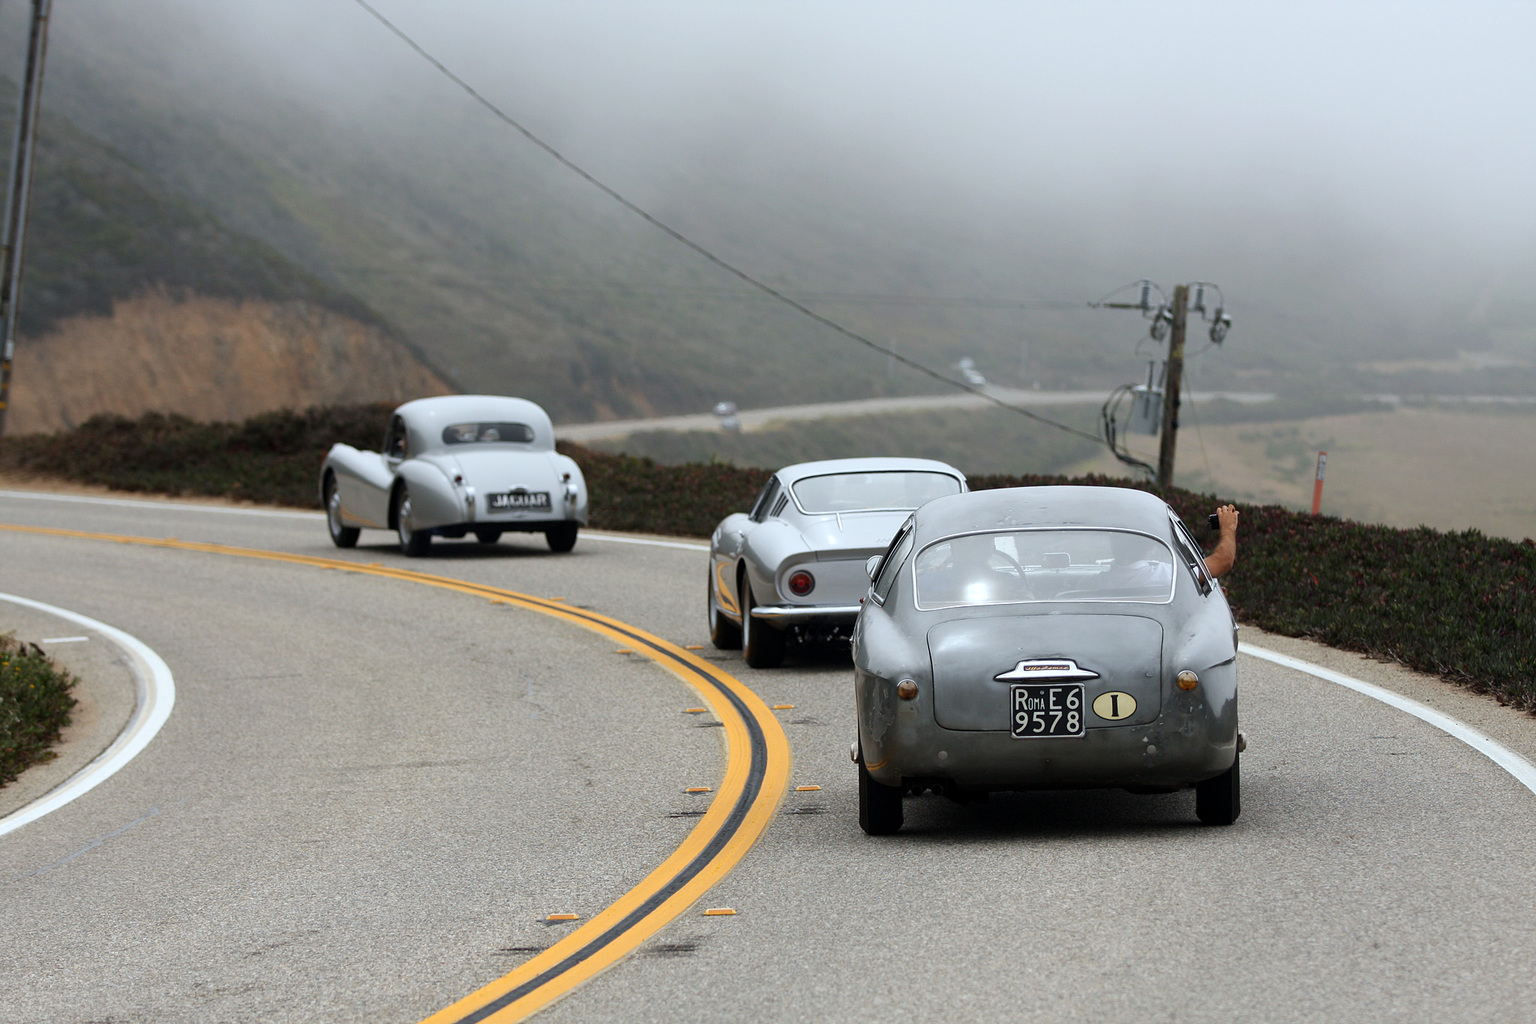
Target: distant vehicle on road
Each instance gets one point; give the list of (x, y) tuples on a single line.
[(454, 466), (1044, 638), (793, 567), (969, 373)]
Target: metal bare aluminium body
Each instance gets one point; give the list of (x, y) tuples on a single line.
[(796, 561), (1045, 638), (454, 466)]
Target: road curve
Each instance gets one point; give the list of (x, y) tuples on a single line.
[(368, 802)]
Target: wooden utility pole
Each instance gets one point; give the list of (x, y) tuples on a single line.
[(1172, 379), (17, 195)]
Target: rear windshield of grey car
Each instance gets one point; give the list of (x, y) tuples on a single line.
[(1009, 567), (863, 492), (487, 433)]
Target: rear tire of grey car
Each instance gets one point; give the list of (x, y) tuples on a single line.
[(341, 535), (562, 537), (761, 644), (723, 633), (413, 542), (486, 536), (879, 805), (1219, 801)]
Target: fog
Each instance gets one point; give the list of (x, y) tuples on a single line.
[(1331, 165), (1411, 118)]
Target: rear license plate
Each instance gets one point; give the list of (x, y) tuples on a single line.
[(1047, 710), (519, 501)]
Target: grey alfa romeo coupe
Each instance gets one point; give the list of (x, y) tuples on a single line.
[(1038, 638)]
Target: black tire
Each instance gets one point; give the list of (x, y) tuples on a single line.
[(879, 805), (1219, 801), (723, 633), (487, 535), (761, 644), (342, 536), (561, 537), (413, 542)]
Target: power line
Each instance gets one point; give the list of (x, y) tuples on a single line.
[(684, 240)]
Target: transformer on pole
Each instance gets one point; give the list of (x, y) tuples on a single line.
[(1155, 408)]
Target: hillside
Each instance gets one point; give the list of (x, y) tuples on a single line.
[(137, 300), (207, 358), (360, 166)]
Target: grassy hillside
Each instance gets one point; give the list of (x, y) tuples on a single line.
[(510, 273), (989, 441), (101, 229)]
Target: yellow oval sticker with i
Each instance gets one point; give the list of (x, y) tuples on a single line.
[(1114, 705)]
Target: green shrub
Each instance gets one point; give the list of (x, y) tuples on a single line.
[(34, 706)]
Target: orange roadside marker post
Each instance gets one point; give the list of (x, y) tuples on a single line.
[(1317, 486)]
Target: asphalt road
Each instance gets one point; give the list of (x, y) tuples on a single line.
[(757, 419), (371, 793)]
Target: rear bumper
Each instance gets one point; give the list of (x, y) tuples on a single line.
[(787, 613)]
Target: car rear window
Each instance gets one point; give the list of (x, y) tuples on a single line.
[(864, 492), (1016, 566), (487, 433)]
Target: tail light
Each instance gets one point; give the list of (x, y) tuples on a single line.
[(801, 583)]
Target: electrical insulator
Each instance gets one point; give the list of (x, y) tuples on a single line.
[(1199, 304), (1146, 294)]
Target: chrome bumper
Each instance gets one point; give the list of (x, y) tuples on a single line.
[(806, 611)]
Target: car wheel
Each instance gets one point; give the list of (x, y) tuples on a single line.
[(761, 644), (723, 633), (1218, 801), (342, 536), (562, 537), (879, 805), (487, 536), (413, 542)]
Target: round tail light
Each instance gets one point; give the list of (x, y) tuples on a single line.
[(801, 583)]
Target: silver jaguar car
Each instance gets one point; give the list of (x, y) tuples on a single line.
[(793, 567), (453, 466), (1044, 638)]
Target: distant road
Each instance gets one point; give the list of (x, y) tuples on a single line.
[(757, 419)]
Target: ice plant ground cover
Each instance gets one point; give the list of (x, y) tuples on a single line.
[(34, 706)]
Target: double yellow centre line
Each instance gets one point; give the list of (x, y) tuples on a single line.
[(756, 774)]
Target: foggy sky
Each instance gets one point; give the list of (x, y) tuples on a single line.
[(1411, 118)]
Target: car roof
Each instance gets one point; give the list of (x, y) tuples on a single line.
[(428, 416), (1008, 508), (801, 470)]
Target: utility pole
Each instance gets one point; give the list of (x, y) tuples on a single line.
[(1171, 383), (1170, 319), (17, 196)]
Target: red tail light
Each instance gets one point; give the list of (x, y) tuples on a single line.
[(801, 583)]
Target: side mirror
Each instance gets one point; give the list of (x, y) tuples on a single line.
[(873, 565)]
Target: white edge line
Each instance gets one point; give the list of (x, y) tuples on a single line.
[(288, 514), (1523, 771), (174, 505), (155, 693), (642, 540)]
